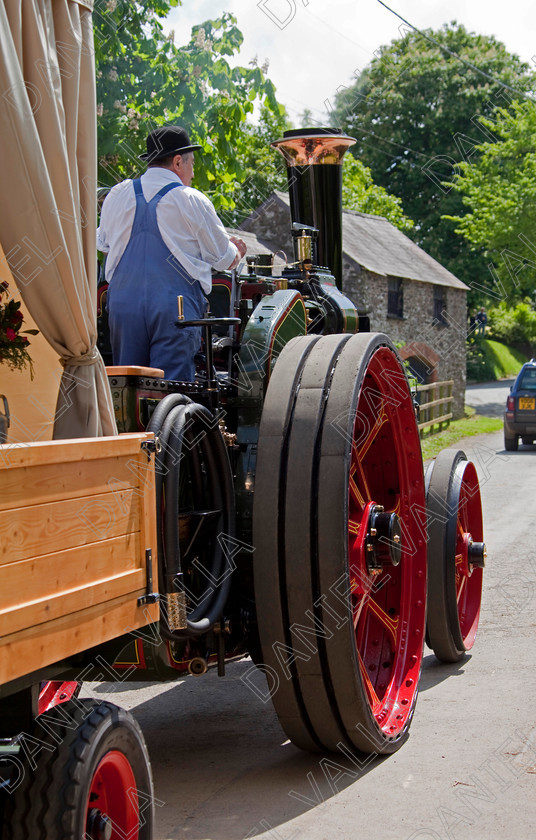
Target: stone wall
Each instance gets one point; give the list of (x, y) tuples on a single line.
[(442, 347)]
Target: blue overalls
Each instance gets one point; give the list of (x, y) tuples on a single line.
[(142, 299)]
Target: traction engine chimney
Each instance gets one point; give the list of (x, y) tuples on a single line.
[(314, 169)]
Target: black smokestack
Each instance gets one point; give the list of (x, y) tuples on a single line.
[(314, 168)]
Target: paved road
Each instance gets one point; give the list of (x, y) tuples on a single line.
[(489, 398), (224, 771)]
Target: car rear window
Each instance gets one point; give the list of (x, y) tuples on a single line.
[(528, 380)]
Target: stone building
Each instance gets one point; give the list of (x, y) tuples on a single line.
[(405, 292)]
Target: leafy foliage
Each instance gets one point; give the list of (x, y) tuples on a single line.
[(415, 113), (144, 80), (263, 167), (359, 192), (513, 325), (479, 364), (499, 190)]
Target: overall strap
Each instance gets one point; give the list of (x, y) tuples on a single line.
[(164, 191)]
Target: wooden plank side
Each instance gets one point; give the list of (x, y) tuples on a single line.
[(67, 602), (35, 582), (42, 529), (67, 451), (31, 485), (34, 648)]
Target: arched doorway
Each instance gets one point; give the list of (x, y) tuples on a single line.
[(422, 360)]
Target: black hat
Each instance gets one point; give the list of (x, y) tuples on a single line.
[(165, 141)]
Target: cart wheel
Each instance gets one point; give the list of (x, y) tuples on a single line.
[(339, 533), (456, 554), (90, 778)]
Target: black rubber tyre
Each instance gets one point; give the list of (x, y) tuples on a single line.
[(454, 595), (511, 443), (64, 757), (317, 625)]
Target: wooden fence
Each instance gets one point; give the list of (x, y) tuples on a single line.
[(438, 410)]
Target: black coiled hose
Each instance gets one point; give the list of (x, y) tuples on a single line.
[(187, 430)]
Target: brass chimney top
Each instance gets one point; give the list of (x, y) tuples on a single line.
[(312, 146)]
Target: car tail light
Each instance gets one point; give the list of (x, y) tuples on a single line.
[(510, 404)]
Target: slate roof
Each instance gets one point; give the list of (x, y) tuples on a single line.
[(254, 245), (378, 246)]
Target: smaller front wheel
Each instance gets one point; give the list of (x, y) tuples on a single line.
[(89, 778), (456, 555)]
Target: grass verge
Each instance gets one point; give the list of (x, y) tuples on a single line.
[(471, 424), (488, 360)]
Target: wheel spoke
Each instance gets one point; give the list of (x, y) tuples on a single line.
[(370, 438), (354, 489), (390, 624), (374, 700)]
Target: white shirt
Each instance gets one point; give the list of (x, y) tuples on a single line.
[(186, 219)]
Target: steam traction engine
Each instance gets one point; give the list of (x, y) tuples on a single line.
[(291, 515)]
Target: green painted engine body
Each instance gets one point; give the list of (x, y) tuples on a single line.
[(272, 311)]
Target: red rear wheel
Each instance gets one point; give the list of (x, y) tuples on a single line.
[(340, 580), (387, 567)]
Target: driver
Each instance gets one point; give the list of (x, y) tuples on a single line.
[(161, 237)]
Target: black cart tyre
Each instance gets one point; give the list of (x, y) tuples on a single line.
[(340, 545), (89, 777), (456, 555), (511, 443)]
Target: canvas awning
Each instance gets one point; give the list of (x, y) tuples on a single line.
[(48, 193)]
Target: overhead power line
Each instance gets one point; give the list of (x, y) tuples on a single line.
[(458, 57)]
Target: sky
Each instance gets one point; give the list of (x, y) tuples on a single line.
[(316, 46)]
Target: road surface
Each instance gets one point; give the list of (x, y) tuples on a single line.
[(489, 398), (223, 769)]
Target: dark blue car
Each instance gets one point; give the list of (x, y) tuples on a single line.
[(520, 414)]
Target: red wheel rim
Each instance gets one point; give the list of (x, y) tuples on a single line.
[(113, 795), (469, 528), (388, 605)]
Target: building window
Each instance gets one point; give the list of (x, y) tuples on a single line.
[(395, 297), (440, 305)]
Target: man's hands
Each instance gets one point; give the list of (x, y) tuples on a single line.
[(242, 248)]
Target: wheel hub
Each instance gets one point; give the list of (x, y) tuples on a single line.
[(383, 542), (473, 555), (477, 554), (99, 825)]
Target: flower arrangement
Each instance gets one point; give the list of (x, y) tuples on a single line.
[(13, 343)]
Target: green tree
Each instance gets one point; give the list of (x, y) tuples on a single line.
[(263, 167), (359, 192), (498, 192), (415, 113), (144, 80)]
